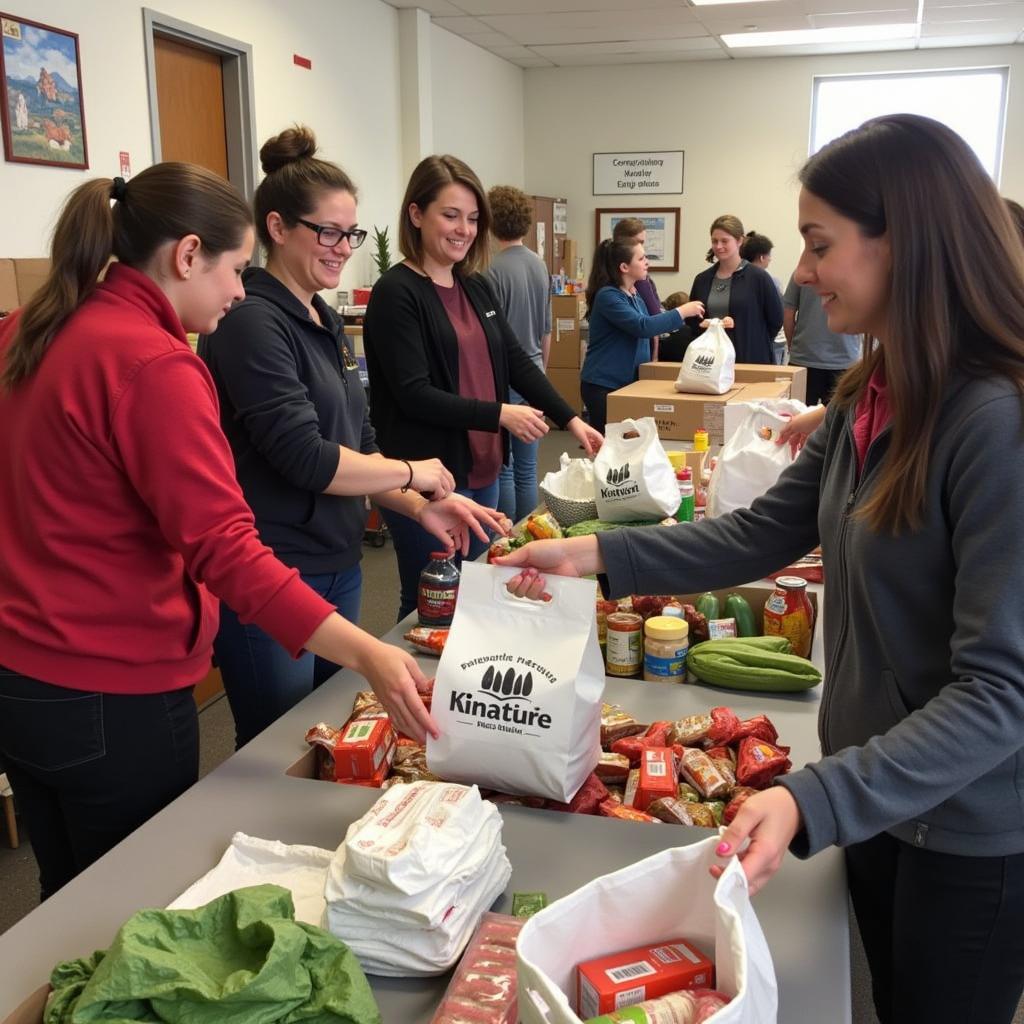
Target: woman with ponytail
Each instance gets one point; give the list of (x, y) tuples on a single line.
[(295, 412), (121, 518), (620, 326)]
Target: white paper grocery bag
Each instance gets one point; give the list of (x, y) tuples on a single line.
[(670, 895), (633, 478), (518, 690)]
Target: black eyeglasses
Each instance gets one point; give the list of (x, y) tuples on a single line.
[(332, 236)]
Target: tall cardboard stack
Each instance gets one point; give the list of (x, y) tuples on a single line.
[(567, 311)]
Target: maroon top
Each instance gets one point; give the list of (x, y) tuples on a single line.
[(476, 380)]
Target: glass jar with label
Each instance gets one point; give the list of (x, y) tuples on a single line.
[(666, 641), (624, 653), (789, 613), (439, 587)]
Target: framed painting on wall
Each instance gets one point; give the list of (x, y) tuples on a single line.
[(41, 88), (661, 226)]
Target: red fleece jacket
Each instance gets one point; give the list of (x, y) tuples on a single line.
[(119, 507)]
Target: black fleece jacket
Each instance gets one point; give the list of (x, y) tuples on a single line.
[(412, 356), (290, 396)]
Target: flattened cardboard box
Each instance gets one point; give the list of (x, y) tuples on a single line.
[(677, 416), (746, 373)]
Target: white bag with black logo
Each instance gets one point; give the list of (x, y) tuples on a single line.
[(518, 690), (633, 478), (709, 363)]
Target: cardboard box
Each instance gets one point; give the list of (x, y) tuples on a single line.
[(676, 415), (624, 979), (20, 279), (8, 286), (365, 746), (746, 373), (566, 313), (567, 383), (570, 253), (31, 1010)]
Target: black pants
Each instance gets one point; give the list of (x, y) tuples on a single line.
[(944, 935), (820, 383), (595, 398), (87, 769)]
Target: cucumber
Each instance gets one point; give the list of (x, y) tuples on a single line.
[(709, 606), (736, 607), (739, 665)]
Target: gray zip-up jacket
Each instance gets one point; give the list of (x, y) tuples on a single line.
[(922, 714)]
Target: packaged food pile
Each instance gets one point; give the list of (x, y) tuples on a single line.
[(408, 884), (483, 987)]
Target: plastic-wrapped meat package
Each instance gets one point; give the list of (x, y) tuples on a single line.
[(483, 987)]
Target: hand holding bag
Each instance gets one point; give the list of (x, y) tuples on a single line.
[(709, 363), (667, 896), (633, 478)]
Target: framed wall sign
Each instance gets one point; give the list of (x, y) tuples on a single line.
[(661, 225), (41, 89), (639, 174)]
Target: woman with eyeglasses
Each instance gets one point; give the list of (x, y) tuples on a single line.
[(295, 413)]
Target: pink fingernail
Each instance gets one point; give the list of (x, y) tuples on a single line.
[(722, 849)]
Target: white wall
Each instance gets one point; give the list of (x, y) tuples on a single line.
[(744, 126), (478, 109)]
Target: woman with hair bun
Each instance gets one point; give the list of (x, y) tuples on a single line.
[(295, 413), (735, 287), (122, 518)]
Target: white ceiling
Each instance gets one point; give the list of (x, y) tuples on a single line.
[(561, 33)]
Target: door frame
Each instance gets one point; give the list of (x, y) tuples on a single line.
[(239, 92)]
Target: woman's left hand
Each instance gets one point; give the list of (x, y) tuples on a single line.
[(587, 436), (450, 519), (770, 820)]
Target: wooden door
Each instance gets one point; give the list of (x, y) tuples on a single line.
[(190, 95), (543, 216)]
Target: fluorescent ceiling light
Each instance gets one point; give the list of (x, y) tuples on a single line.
[(842, 34)]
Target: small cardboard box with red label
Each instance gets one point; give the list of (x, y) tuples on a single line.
[(657, 777), (625, 979), (365, 745)]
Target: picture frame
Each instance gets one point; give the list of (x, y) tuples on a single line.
[(41, 106), (662, 226)]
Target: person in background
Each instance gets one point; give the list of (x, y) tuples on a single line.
[(441, 356), (825, 354), (734, 287), (633, 229), (122, 518), (672, 346), (757, 250), (620, 326), (914, 486), (295, 413), (522, 287)]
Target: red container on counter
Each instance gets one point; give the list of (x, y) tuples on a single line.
[(789, 613)]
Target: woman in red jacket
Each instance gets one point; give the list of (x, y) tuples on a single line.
[(119, 508)]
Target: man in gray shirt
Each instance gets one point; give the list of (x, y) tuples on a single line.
[(812, 345), (521, 284)]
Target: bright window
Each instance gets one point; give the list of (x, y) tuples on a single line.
[(972, 102)]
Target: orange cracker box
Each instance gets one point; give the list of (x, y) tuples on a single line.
[(657, 777), (365, 745), (623, 979)]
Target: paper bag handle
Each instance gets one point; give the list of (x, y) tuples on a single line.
[(524, 604)]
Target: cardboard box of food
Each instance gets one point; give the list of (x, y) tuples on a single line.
[(746, 373), (566, 313), (676, 415), (567, 383)]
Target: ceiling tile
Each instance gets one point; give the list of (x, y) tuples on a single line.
[(589, 60), (435, 8), (651, 46), (494, 7)]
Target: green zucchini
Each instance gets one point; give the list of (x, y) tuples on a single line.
[(736, 607), (739, 665), (589, 526), (709, 606), (776, 644)]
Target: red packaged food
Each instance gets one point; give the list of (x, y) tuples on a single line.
[(612, 768), (622, 979), (649, 604), (366, 702), (375, 781), (427, 640), (616, 724), (724, 724), (739, 797), (689, 731), (630, 748), (720, 752), (725, 761), (657, 777), (759, 726), (483, 987), (759, 762), (612, 809), (586, 800), (671, 811), (366, 743), (657, 734), (703, 774)]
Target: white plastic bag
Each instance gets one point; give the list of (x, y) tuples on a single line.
[(574, 479), (751, 461), (633, 476), (665, 896), (518, 690), (709, 363)]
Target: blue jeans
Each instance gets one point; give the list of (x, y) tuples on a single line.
[(413, 545), (261, 679), (517, 482), (89, 768)]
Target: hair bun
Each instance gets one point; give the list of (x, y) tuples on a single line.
[(298, 143)]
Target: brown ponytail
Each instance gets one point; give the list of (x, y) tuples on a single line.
[(604, 268), (165, 202)]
